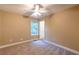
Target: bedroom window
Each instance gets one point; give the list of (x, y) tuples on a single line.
[(34, 28)]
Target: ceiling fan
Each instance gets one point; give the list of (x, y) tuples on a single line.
[(37, 12)]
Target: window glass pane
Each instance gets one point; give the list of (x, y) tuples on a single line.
[(34, 28)]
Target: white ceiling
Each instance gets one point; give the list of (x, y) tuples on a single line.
[(17, 8), (22, 8)]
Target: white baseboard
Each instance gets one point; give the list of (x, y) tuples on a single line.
[(16, 43), (61, 46)]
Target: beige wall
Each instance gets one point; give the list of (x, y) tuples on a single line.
[(0, 26), (63, 28), (14, 28)]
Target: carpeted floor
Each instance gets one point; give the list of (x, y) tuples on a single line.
[(38, 47)]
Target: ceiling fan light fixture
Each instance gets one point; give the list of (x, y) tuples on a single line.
[(36, 15)]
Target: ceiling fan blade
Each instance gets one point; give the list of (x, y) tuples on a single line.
[(43, 10), (28, 12)]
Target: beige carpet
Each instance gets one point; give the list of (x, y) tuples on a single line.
[(38, 47)]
